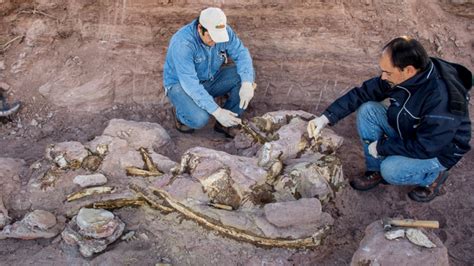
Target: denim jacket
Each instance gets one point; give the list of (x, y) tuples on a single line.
[(190, 62)]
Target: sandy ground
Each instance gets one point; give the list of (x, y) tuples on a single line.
[(306, 54)]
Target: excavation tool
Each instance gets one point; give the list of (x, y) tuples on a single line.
[(388, 223)]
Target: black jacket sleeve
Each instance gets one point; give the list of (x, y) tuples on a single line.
[(371, 90)]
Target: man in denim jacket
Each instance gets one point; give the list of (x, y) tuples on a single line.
[(422, 133), (194, 75)]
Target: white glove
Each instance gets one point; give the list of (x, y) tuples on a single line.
[(316, 125), (373, 149), (246, 94), (226, 117)]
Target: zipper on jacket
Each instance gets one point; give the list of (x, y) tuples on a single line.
[(403, 107)]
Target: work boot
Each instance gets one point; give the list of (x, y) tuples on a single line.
[(370, 180), (426, 194), (229, 132), (182, 127)]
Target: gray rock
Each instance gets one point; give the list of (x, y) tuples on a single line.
[(38, 224), (41, 219), (309, 182), (96, 223), (88, 246), (3, 220), (70, 153), (292, 213), (138, 134), (90, 180)]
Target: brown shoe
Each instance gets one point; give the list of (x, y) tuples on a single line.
[(426, 194), (229, 132), (370, 180), (180, 126)]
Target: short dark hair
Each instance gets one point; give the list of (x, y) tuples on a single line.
[(405, 51)]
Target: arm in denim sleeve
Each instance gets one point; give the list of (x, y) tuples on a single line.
[(182, 55), (371, 90), (241, 56)]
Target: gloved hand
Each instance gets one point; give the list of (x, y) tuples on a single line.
[(316, 125), (373, 149), (246, 94), (226, 117)]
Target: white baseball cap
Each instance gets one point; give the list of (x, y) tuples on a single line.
[(215, 22)]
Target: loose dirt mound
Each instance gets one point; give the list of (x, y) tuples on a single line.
[(79, 64)]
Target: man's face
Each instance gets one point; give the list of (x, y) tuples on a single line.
[(390, 73), (206, 38)]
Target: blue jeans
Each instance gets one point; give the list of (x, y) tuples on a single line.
[(372, 125), (226, 81)]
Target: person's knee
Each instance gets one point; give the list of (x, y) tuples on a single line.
[(390, 171), (369, 109), (198, 120)]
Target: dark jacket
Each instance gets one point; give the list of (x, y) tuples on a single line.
[(429, 111)]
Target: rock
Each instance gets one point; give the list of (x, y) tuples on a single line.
[(34, 123), (285, 188), (203, 164), (67, 154), (163, 163), (46, 4), (375, 249), (5, 86), (40, 219), (394, 234), (96, 223), (289, 144), (90, 180), (220, 190), (3, 220), (417, 237), (138, 134), (283, 117), (73, 234), (293, 213), (10, 169), (309, 182), (37, 224)]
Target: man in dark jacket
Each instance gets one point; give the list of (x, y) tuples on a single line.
[(424, 131)]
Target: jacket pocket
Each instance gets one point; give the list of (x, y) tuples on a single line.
[(199, 59)]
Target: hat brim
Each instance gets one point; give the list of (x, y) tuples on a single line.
[(218, 36)]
